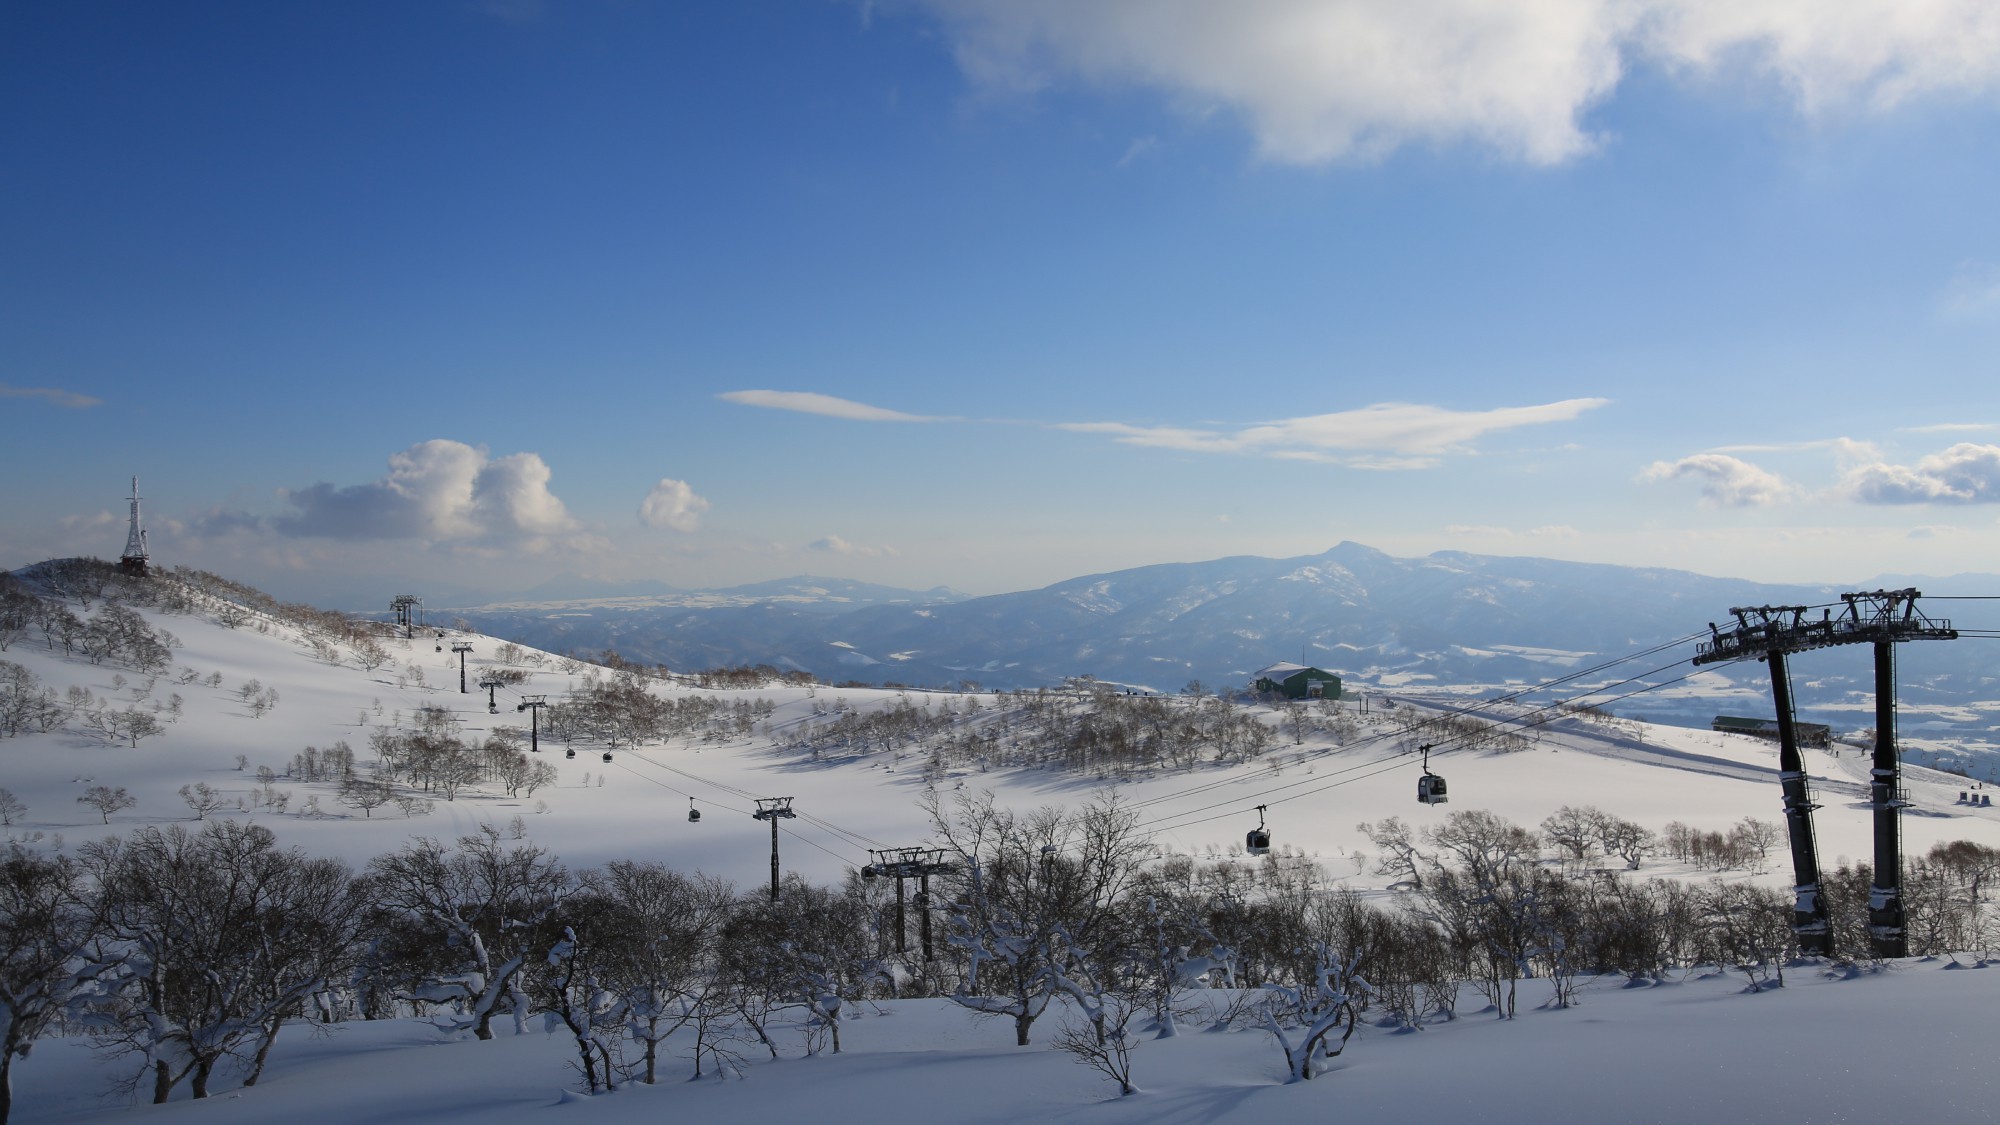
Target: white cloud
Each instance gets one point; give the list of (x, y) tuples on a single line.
[(1388, 435), (1973, 294), (1835, 54), (1324, 80), (807, 402), (672, 504), (1966, 473), (1726, 481), (1320, 80), (51, 395), (440, 491), (835, 545)]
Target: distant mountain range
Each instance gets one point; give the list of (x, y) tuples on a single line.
[(1470, 623)]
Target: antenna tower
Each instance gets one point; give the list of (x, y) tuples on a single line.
[(135, 561)]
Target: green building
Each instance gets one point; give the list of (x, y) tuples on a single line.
[(1297, 681)]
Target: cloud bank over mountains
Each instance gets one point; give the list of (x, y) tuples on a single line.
[(439, 491), (1965, 473)]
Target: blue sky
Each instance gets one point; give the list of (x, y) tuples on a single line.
[(991, 293)]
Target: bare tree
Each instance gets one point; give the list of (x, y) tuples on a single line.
[(481, 901), (11, 807), (1314, 1013), (202, 798), (366, 794), (369, 653), (224, 935), (48, 920), (107, 799), (1035, 895)]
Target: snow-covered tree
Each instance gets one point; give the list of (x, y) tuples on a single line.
[(1034, 895), (1304, 1018), (223, 936), (670, 922), (49, 918), (482, 902)]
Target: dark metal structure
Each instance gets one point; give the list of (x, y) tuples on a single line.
[(407, 608), (1257, 841), (135, 561), (1881, 618), (1430, 787), (461, 648), (490, 683), (909, 863), (533, 705), (774, 809)]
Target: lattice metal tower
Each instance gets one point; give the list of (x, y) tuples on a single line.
[(135, 561)]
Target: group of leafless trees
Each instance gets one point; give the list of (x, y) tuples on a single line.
[(619, 710), (1083, 727), (27, 706), (113, 633), (192, 946)]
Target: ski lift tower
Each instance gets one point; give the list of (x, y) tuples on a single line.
[(135, 561), (910, 863), (774, 809), (1771, 633), (407, 608)]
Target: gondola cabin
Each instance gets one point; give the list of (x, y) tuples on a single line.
[(570, 753), (1430, 789), (607, 755), (694, 814), (1258, 840)]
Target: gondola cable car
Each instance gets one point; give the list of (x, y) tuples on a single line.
[(694, 814), (1258, 840), (1430, 787)]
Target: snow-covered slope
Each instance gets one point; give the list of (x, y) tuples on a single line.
[(1906, 1045), (1700, 1048), (635, 806)]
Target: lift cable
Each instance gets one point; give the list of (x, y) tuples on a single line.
[(1386, 765), (1433, 721), (1471, 710), (856, 838), (847, 859)]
